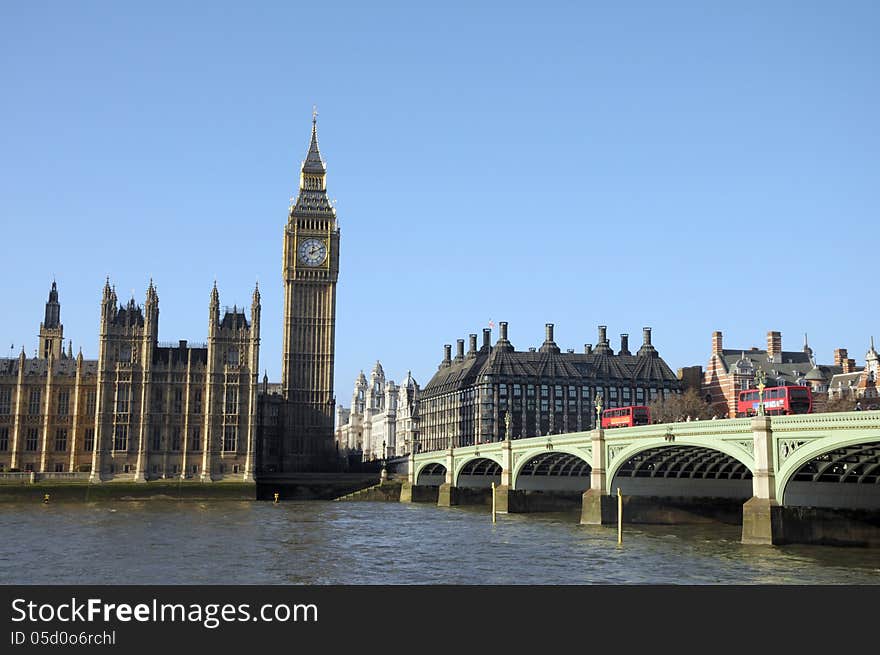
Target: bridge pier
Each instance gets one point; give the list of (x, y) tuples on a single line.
[(447, 495), (762, 514), (597, 506), (418, 493)]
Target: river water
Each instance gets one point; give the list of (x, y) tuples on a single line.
[(230, 542)]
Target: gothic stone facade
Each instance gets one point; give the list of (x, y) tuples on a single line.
[(545, 390), (296, 422), (142, 410)]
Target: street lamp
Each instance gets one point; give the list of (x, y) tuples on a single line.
[(760, 379)]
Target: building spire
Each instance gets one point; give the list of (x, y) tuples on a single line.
[(313, 162), (52, 318)]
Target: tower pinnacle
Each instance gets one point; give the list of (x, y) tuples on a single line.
[(313, 162)]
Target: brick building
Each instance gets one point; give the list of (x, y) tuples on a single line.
[(731, 370)]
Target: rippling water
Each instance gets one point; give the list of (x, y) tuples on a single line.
[(160, 542)]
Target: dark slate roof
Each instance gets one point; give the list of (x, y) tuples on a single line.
[(823, 372), (40, 367), (234, 320), (178, 356), (845, 380), (506, 364), (794, 365), (130, 314), (313, 202), (314, 163)]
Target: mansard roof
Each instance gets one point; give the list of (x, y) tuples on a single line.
[(552, 367), (793, 366)]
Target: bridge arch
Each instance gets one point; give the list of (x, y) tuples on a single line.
[(682, 468), (479, 471), (832, 472), (559, 469), (431, 474)]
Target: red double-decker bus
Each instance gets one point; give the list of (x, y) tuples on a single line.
[(625, 417), (777, 400)]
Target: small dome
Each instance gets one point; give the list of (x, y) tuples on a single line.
[(815, 375), (409, 383), (744, 365)]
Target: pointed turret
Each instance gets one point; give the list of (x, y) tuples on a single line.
[(53, 309), (151, 310), (313, 162), (807, 348), (256, 310), (214, 308), (51, 330), (312, 196)]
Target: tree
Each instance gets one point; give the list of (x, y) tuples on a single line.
[(675, 408), (840, 404)]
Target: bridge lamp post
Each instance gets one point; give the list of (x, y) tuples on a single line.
[(760, 379)]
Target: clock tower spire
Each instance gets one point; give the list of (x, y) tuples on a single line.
[(310, 270)]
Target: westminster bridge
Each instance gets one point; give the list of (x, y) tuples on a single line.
[(812, 478)]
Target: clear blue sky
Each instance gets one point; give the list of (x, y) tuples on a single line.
[(689, 166)]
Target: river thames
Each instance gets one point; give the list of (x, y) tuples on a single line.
[(313, 542)]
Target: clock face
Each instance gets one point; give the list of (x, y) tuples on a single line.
[(312, 252)]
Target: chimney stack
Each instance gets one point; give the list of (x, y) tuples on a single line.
[(473, 345), (716, 343), (447, 354), (774, 346), (646, 336), (624, 345), (549, 346), (603, 347), (588, 348), (487, 339), (502, 327), (459, 353), (841, 359)]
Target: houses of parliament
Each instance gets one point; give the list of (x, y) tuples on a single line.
[(146, 410)]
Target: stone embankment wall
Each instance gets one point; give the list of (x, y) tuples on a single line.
[(388, 491)]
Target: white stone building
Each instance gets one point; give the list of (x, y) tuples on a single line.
[(382, 421)]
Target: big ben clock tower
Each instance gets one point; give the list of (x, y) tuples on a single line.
[(310, 270)]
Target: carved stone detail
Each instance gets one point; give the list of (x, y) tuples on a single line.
[(613, 452), (747, 445), (788, 446)]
